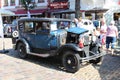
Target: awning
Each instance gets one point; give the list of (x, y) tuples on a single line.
[(4, 12), (32, 12), (96, 10), (68, 11), (63, 11), (58, 11)]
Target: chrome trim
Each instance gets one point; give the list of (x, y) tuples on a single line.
[(40, 55), (91, 57)]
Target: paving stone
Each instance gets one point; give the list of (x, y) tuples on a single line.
[(36, 68)]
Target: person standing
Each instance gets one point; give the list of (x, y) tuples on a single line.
[(103, 30), (111, 36), (80, 23), (75, 20)]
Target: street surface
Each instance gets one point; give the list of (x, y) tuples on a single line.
[(36, 68)]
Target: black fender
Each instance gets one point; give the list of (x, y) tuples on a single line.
[(69, 46), (24, 42)]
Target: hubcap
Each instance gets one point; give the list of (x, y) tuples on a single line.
[(21, 51), (69, 61)]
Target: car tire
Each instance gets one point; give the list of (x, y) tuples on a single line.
[(71, 61), (21, 50), (97, 60)]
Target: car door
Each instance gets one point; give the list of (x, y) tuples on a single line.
[(43, 38), (29, 33)]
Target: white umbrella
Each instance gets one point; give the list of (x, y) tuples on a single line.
[(3, 12)]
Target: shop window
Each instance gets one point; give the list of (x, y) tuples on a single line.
[(41, 1), (12, 2), (20, 2), (5, 2), (116, 16)]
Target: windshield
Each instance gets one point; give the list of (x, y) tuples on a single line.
[(61, 25)]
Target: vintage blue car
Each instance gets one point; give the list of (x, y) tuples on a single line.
[(56, 37)]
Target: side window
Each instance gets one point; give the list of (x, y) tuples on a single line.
[(42, 27), (29, 27), (90, 23), (85, 23), (63, 24), (21, 26), (45, 25), (38, 26), (53, 26)]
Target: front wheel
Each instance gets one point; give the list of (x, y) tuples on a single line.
[(21, 50), (71, 61)]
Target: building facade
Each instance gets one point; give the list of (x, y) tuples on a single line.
[(58, 8), (16, 6)]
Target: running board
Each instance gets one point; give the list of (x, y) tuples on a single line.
[(40, 55)]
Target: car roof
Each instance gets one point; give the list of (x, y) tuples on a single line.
[(43, 19), (86, 20)]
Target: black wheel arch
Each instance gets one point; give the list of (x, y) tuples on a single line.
[(27, 46), (71, 47)]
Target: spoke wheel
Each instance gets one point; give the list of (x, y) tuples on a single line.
[(21, 50), (71, 61)]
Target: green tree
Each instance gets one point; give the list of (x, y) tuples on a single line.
[(77, 9), (28, 5)]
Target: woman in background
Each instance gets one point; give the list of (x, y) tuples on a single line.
[(111, 36)]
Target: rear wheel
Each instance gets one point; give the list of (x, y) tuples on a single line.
[(71, 61), (21, 50)]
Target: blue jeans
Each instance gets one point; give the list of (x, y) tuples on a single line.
[(111, 40)]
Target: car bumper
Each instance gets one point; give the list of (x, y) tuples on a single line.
[(93, 57), (86, 56)]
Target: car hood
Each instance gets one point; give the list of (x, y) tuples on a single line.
[(77, 30)]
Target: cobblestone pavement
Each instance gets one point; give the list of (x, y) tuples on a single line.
[(36, 68)]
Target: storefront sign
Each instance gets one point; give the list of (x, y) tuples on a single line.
[(59, 5)]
